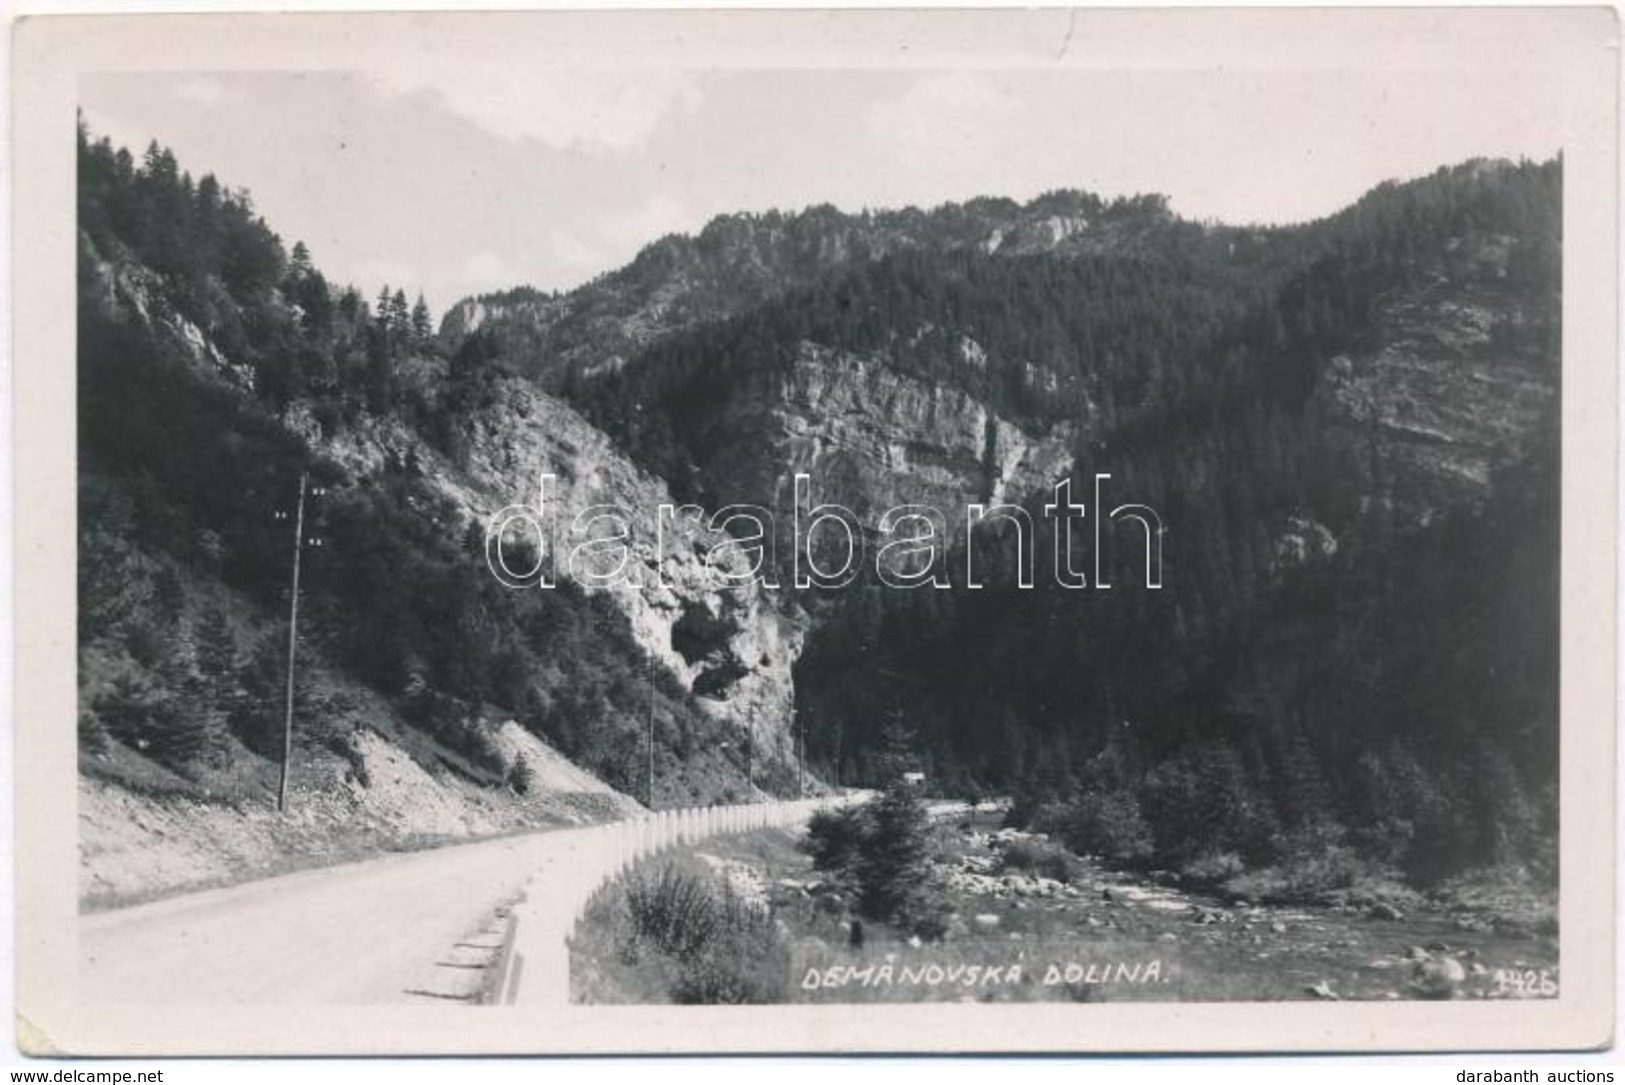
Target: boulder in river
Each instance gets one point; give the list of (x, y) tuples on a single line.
[(1439, 977)]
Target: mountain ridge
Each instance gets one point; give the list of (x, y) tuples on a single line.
[(1306, 407)]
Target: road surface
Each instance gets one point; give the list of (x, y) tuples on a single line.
[(355, 933), (387, 930)]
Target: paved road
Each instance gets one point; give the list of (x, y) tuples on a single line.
[(355, 933), (373, 932)]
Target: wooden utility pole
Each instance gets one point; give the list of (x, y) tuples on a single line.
[(801, 760), (650, 800), (293, 640)]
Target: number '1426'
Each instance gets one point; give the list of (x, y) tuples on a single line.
[(1525, 982)]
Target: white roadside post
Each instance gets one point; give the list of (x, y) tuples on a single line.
[(591, 857), (578, 893)]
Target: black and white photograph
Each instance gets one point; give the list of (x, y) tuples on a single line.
[(934, 513)]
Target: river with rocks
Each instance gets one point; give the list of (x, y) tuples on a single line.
[(1210, 948)]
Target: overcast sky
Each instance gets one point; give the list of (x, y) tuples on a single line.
[(461, 179)]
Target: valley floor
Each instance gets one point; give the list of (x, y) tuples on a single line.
[(1092, 938)]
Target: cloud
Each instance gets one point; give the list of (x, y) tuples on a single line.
[(579, 252), (604, 109), (660, 215), (486, 266), (934, 117), (371, 272), (200, 90)]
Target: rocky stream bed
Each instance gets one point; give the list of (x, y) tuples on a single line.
[(1207, 948)]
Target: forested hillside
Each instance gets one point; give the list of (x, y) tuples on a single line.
[(214, 368), (741, 261), (1349, 429)]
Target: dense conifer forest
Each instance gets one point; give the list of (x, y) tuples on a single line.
[(1350, 661)]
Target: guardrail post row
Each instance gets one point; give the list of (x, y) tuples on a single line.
[(591, 857)]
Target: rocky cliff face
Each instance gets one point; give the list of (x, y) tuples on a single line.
[(729, 644), (1464, 370), (126, 288), (871, 438)]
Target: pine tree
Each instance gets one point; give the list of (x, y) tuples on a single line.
[(894, 869), (383, 311), (400, 318), (422, 326), (218, 661), (380, 377)]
